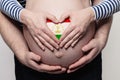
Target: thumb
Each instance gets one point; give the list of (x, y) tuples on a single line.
[(64, 16), (88, 46), (35, 57), (52, 18)]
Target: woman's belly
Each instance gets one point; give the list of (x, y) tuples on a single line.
[(57, 7)]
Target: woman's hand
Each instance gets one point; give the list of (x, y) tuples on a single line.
[(36, 24), (79, 24), (93, 48), (33, 61)]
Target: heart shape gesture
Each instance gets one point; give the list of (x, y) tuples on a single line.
[(58, 28)]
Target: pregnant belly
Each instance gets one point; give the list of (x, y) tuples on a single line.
[(69, 55)]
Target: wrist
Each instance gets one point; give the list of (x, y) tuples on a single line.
[(24, 16), (92, 14), (21, 56)]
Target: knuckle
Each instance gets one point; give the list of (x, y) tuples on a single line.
[(42, 28), (73, 25), (51, 41), (68, 38), (82, 30), (44, 42), (36, 31), (39, 43), (79, 29)]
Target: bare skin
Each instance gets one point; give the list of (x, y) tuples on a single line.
[(70, 54), (18, 45), (34, 23), (95, 45), (98, 40), (72, 10)]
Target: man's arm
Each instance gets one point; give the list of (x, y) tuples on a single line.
[(15, 40), (35, 22), (12, 35), (101, 31), (95, 45)]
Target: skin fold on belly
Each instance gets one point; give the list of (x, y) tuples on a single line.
[(69, 55)]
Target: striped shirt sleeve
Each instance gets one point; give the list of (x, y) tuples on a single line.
[(106, 8), (12, 8)]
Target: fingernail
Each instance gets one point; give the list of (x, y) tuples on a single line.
[(58, 42), (83, 49), (66, 46), (52, 49), (38, 58), (43, 49), (57, 47), (68, 71), (70, 67), (72, 45), (61, 46), (59, 67)]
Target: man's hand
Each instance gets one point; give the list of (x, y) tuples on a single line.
[(79, 24), (32, 61), (94, 47), (36, 24)]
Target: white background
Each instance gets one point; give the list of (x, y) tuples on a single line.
[(111, 56)]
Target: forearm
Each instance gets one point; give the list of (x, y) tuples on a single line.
[(13, 37), (103, 27), (103, 30)]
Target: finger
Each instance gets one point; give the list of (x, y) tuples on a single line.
[(65, 34), (76, 36), (50, 41), (64, 16), (39, 43), (76, 41), (92, 54), (73, 70), (48, 68), (33, 65), (43, 40), (69, 37), (51, 34), (88, 46), (32, 61), (84, 60), (34, 56), (63, 70), (52, 18), (78, 63)]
